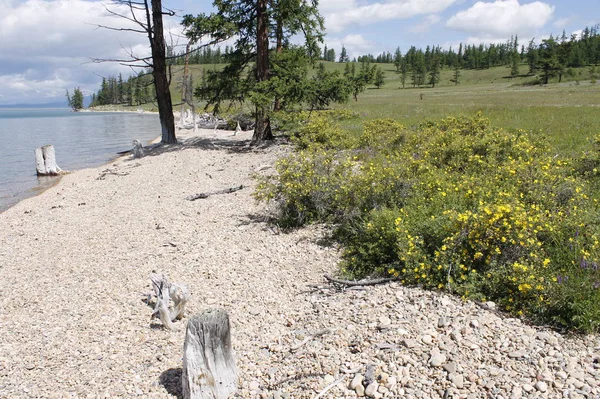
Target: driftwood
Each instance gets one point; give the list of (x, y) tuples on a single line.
[(209, 370), (328, 387), (45, 161), (206, 195), (307, 339), (351, 283), (138, 149), (171, 299)]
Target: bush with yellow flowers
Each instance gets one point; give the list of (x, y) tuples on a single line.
[(458, 205)]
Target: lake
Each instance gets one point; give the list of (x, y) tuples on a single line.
[(81, 140)]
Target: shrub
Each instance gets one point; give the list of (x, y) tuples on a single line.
[(455, 204)]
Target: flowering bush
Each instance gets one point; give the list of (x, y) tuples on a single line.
[(457, 205)]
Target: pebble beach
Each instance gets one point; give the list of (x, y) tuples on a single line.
[(75, 263)]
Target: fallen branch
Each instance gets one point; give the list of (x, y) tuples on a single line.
[(328, 387), (311, 336), (351, 283), (206, 195)]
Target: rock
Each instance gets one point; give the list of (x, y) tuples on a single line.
[(384, 322), (427, 339), (437, 360), (254, 385), (360, 390), (516, 354), (528, 388), (474, 323), (356, 381), (450, 367), (458, 381), (328, 380), (442, 322), (541, 386), (371, 389), (409, 343)]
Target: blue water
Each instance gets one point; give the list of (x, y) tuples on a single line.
[(80, 139)]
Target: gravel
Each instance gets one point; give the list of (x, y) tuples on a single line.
[(75, 263)]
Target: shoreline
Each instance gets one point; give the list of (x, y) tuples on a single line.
[(39, 189), (75, 263)]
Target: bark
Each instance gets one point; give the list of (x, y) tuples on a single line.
[(45, 161), (209, 370), (262, 129), (279, 35), (161, 81)]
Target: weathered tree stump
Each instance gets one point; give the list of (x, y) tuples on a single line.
[(45, 161), (138, 149), (209, 370)]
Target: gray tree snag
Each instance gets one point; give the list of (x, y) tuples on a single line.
[(171, 299), (209, 370), (45, 161), (187, 95), (138, 149), (148, 19)]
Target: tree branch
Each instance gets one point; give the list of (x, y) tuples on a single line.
[(350, 283)]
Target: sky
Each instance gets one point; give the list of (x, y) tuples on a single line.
[(47, 46)]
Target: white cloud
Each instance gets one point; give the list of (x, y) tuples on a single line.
[(561, 23), (355, 45), (426, 24), (46, 46), (341, 14), (502, 18)]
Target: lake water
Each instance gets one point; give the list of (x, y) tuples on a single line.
[(80, 139)]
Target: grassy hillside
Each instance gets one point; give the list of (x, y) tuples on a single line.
[(567, 113)]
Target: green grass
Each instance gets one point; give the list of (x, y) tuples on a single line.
[(566, 113)]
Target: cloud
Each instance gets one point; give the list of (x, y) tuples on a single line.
[(502, 18), (355, 45), (47, 45), (561, 23), (426, 24), (341, 14)]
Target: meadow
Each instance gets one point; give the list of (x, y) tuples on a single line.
[(489, 188), (565, 113)]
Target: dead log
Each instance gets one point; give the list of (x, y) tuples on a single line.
[(171, 299), (351, 283), (45, 161), (206, 195), (209, 370)]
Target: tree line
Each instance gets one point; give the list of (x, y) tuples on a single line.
[(136, 90), (200, 55), (552, 57)]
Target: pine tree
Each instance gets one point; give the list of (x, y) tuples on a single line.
[(379, 78), (76, 100), (397, 59), (344, 55)]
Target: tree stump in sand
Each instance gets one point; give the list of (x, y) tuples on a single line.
[(45, 161), (209, 370)]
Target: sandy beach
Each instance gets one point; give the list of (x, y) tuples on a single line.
[(75, 263)]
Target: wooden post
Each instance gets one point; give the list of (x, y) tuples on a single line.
[(45, 161), (209, 370)]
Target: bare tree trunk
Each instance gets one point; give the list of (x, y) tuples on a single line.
[(161, 81), (262, 129), (279, 35)]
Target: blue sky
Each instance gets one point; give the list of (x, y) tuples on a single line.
[(46, 45)]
